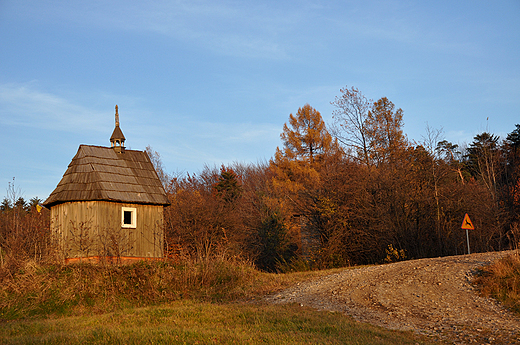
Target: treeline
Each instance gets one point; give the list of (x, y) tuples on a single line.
[(24, 227), (354, 192)]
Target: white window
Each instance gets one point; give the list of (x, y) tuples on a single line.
[(128, 217)]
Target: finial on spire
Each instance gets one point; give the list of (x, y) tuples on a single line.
[(117, 118)]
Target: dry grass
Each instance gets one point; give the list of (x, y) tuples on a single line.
[(501, 280), (35, 289), (32, 289)]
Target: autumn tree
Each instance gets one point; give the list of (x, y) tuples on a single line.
[(443, 178), (308, 149), (384, 127), (306, 145), (271, 239), (451, 155), (344, 211), (511, 175), (372, 130), (307, 138), (202, 219), (226, 211), (482, 160)]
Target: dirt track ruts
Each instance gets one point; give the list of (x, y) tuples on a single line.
[(430, 296)]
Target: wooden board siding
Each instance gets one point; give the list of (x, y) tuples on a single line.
[(93, 228)]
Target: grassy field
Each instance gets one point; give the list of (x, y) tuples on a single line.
[(212, 302), (218, 301), (190, 322)]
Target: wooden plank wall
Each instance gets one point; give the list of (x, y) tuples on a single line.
[(93, 228)]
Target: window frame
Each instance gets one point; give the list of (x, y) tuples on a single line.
[(133, 217)]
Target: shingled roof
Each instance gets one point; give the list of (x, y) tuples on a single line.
[(100, 173)]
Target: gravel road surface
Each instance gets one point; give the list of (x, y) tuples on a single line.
[(430, 296)]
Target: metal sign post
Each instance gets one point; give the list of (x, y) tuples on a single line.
[(467, 237), (468, 225)]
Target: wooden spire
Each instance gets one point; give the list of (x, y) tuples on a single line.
[(117, 140)]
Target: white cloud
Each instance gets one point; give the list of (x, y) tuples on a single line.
[(24, 105), (199, 143), (227, 28)]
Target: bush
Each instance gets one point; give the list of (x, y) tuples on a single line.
[(501, 280)]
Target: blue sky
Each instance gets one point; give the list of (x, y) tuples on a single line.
[(212, 82)]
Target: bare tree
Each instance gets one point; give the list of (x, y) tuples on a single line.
[(156, 160), (350, 122), (430, 143), (81, 242)]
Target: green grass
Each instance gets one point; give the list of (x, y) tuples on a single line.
[(191, 322)]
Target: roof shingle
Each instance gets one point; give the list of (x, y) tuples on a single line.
[(99, 173)]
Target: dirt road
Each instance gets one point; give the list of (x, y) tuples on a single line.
[(430, 296)]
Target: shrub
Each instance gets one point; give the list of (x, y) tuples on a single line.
[(393, 254), (33, 288), (501, 280)]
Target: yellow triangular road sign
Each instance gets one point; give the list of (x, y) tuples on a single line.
[(467, 224)]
